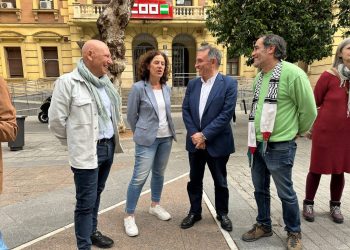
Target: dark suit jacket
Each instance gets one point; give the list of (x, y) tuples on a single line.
[(216, 117)]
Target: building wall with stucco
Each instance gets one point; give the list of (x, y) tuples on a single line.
[(68, 24)]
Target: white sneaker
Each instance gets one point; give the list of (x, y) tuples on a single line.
[(160, 212), (130, 226)]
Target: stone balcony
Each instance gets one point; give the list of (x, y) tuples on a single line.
[(90, 12)]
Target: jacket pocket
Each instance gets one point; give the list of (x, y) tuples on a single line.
[(141, 125), (81, 111)]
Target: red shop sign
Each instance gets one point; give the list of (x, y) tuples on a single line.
[(146, 9)]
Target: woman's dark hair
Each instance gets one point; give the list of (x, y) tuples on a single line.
[(145, 61)]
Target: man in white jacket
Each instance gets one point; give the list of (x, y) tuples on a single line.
[(84, 115)]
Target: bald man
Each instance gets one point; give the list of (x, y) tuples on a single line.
[(84, 115)]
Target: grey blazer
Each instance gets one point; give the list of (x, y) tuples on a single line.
[(143, 115)]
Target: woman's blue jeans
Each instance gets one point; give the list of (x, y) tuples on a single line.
[(278, 163), (147, 158)]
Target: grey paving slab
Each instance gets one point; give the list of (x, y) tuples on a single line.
[(55, 209), (6, 219), (243, 217), (154, 234), (323, 233), (39, 216), (27, 219)]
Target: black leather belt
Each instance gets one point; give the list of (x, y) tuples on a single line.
[(105, 140), (258, 143), (280, 142)]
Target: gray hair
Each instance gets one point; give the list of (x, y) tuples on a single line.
[(213, 53), (279, 43), (337, 58)]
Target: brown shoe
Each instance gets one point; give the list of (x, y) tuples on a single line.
[(308, 212), (258, 231), (335, 212), (294, 241)]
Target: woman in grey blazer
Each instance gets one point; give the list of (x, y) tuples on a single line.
[(150, 120)]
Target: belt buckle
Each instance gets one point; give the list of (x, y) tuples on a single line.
[(104, 140)]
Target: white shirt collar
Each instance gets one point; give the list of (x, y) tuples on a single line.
[(211, 80)]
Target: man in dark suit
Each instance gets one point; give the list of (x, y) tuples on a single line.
[(207, 111)]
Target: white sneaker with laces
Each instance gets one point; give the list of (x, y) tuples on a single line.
[(160, 212), (130, 226)]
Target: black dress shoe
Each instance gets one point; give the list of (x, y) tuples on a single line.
[(225, 222), (190, 220), (100, 240)]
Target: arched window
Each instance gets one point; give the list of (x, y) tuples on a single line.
[(183, 59), (141, 44)]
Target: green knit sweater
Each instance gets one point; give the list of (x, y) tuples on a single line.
[(296, 108)]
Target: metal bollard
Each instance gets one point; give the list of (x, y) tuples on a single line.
[(245, 107), (18, 143)]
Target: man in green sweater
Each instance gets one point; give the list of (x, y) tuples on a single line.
[(283, 108)]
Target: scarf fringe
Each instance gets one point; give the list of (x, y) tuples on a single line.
[(92, 82)]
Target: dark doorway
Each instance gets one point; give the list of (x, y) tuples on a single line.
[(180, 65), (138, 51), (140, 45)]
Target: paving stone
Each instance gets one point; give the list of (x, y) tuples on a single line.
[(39, 198)]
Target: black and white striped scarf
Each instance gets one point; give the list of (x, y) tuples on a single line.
[(269, 110)]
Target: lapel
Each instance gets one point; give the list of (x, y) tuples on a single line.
[(166, 99), (196, 98), (214, 90), (151, 97)]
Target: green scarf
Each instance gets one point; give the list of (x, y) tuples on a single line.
[(93, 82)]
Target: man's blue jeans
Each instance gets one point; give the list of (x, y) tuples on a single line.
[(147, 158), (278, 163), (89, 184), (2, 243)]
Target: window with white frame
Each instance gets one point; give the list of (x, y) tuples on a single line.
[(232, 66)]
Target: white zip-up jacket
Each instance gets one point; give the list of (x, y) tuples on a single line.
[(73, 119)]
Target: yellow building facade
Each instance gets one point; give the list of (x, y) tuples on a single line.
[(41, 39)]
